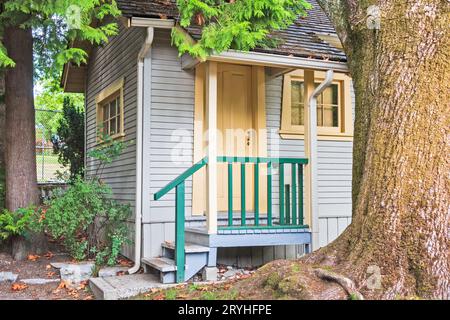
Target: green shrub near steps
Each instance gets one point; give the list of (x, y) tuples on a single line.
[(89, 223)]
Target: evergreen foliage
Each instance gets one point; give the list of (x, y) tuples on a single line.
[(233, 24)]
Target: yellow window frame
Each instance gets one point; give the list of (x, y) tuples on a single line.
[(345, 129), (112, 92)]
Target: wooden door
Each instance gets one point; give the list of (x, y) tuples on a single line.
[(236, 131)]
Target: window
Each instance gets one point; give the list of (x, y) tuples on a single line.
[(111, 116), (334, 111), (110, 110)]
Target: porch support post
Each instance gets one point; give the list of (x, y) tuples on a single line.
[(309, 146), (311, 152), (211, 172)]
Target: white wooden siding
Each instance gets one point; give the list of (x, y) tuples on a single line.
[(108, 63)]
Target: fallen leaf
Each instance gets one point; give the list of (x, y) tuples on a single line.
[(125, 262), (49, 255), (18, 286), (32, 257), (120, 273), (48, 267), (73, 293), (159, 297), (50, 274), (89, 298), (62, 285), (82, 285)]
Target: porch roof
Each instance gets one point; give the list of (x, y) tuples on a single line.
[(312, 36)]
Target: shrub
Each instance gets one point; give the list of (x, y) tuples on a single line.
[(90, 224), (69, 143), (85, 217), (20, 223)]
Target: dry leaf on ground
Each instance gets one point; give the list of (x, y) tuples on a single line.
[(33, 257), (18, 286)]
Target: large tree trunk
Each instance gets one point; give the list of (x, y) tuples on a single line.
[(20, 155), (401, 170), (2, 140)]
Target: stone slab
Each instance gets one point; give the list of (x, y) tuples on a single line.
[(8, 276), (123, 287)]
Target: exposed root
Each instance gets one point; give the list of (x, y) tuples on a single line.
[(347, 284)]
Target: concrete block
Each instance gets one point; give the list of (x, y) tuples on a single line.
[(209, 274)]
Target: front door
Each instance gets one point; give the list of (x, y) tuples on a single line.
[(237, 136)]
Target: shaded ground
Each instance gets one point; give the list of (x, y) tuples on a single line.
[(38, 267), (281, 279)]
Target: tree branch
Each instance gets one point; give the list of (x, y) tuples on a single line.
[(339, 13)]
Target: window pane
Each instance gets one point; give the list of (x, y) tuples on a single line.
[(112, 125), (105, 127), (319, 115), (112, 109), (328, 107), (297, 100), (327, 120), (105, 112)]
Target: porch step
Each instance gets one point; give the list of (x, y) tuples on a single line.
[(196, 258), (161, 264), (188, 248)]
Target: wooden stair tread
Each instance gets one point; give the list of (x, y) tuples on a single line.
[(162, 264), (188, 248)]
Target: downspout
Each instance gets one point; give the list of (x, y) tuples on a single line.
[(139, 152), (313, 155)]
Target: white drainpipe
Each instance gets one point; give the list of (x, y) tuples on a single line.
[(139, 139), (313, 156)]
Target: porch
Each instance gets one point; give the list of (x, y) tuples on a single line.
[(238, 187), (195, 248)]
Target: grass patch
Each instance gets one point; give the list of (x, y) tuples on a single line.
[(193, 291)]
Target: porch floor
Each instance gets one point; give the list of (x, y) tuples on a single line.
[(227, 238)]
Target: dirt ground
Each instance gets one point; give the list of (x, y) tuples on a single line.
[(39, 267), (279, 280)]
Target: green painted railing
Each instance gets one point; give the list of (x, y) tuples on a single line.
[(290, 196), (179, 184)]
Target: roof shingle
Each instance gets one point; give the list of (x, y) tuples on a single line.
[(300, 39)]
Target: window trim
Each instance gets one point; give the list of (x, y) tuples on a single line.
[(345, 130), (105, 96)]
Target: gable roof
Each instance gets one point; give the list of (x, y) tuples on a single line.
[(304, 38), (311, 37)]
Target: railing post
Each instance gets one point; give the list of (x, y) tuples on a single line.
[(294, 193), (243, 222), (179, 227), (256, 192), (300, 195), (269, 193), (288, 204), (281, 191), (230, 194)]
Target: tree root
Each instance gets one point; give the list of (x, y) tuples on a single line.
[(347, 284)]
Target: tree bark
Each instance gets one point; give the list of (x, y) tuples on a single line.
[(401, 166), (20, 153), (2, 140)]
